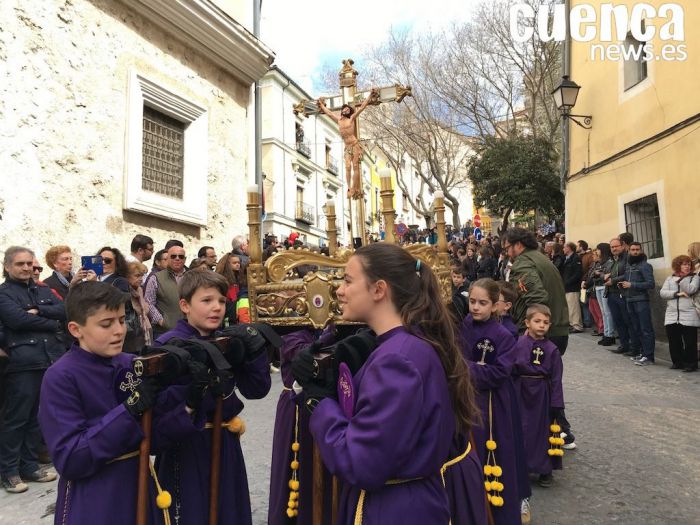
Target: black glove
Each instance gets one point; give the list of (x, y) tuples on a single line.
[(248, 341), (142, 397), (304, 366), (199, 374), (315, 391), (356, 349)]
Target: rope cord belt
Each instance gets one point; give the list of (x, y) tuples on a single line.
[(535, 377), (235, 425), (128, 455), (361, 500)]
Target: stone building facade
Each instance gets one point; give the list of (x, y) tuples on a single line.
[(78, 78)]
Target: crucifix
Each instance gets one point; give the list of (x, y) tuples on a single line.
[(538, 353), (349, 104), (485, 347)]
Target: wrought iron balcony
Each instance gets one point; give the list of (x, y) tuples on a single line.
[(332, 165), (304, 149), (305, 213)]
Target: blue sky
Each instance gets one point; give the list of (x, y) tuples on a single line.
[(307, 34)]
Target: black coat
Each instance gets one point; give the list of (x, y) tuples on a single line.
[(572, 273), (60, 288), (33, 342), (486, 267)]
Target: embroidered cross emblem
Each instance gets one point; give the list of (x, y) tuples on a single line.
[(538, 353), (130, 383), (485, 346)]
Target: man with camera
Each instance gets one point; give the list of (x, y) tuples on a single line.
[(617, 294), (33, 319)]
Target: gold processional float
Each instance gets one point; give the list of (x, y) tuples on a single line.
[(281, 299)]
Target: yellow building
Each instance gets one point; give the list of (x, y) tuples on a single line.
[(637, 169)]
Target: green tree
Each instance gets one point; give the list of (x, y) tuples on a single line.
[(516, 174)]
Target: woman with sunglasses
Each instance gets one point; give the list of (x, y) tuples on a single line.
[(114, 268)]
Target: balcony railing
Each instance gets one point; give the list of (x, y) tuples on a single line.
[(332, 165), (304, 149), (305, 213)]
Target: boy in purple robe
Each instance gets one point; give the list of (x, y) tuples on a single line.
[(538, 381), (184, 468), (389, 434), (91, 402), (488, 347)]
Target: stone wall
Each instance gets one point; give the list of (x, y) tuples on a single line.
[(64, 66)]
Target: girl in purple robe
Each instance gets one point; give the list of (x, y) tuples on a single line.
[(489, 350), (184, 468), (538, 374), (390, 434)]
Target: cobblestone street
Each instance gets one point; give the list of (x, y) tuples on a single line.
[(637, 461)]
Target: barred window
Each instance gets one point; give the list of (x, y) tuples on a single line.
[(163, 153), (642, 220)]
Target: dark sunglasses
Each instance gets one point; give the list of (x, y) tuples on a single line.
[(107, 260), (38, 268), (177, 256)]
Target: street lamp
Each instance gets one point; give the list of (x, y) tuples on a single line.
[(565, 95)]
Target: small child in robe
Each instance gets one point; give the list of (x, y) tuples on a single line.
[(538, 381)]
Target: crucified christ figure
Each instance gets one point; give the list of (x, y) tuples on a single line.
[(353, 148)]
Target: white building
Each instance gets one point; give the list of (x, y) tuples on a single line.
[(125, 117), (302, 165)]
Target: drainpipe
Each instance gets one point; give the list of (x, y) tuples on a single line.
[(565, 128)]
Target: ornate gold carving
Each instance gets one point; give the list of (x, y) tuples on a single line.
[(425, 252), (280, 264)]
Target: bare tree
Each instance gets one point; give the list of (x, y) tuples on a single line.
[(422, 126), (499, 87)]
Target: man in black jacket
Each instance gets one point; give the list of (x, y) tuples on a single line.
[(572, 274), (32, 317)]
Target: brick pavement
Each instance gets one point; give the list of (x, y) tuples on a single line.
[(637, 461)]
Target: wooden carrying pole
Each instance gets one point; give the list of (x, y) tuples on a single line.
[(317, 499), (144, 468), (215, 462)]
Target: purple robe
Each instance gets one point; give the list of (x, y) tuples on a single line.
[(465, 487), (508, 323), (397, 439), (488, 347), (282, 455), (538, 373), (86, 426), (185, 466)]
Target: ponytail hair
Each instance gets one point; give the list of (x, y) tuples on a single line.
[(415, 293)]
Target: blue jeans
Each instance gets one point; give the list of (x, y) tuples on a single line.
[(608, 323), (586, 313), (640, 320), (629, 338)]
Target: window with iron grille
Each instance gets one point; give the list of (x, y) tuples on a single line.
[(643, 221), (163, 153)]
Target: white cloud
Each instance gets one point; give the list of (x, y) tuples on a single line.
[(302, 33)]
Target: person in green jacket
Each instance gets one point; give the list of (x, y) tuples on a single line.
[(539, 282)]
